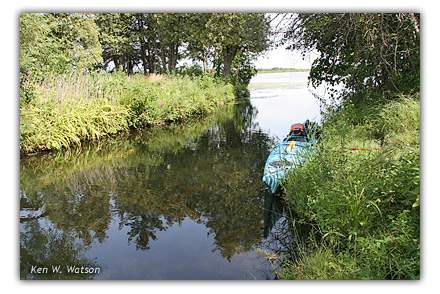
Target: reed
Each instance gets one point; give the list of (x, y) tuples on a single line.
[(68, 110)]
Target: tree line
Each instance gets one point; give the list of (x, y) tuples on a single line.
[(139, 42), (360, 51)]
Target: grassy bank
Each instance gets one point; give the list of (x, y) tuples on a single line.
[(360, 191), (68, 110)]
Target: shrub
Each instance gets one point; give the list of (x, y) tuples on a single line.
[(364, 202)]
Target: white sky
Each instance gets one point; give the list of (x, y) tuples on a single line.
[(281, 57)]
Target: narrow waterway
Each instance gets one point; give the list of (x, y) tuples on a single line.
[(181, 202)]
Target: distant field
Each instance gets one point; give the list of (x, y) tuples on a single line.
[(278, 69)]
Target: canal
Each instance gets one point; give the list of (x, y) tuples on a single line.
[(178, 202)]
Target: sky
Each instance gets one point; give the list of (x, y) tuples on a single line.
[(281, 57)]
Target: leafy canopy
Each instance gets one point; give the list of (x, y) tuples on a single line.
[(360, 50)]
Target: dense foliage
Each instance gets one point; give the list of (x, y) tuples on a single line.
[(360, 191), (360, 51), (70, 109), (156, 43), (362, 194), (60, 43), (66, 98), (55, 44)]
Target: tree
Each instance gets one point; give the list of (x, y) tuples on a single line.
[(56, 43), (232, 33), (172, 33), (133, 42), (116, 35), (360, 50), (146, 34), (199, 47), (157, 41)]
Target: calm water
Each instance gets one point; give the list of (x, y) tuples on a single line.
[(184, 202)]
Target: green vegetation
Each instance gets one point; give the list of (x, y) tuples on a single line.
[(66, 98), (361, 189), (139, 42), (157, 41), (281, 69), (67, 110), (84, 77), (378, 51)]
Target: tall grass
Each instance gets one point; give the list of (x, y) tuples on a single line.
[(361, 190), (36, 172), (67, 110)]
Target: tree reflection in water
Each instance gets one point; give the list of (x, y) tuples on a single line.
[(208, 171), (43, 246)]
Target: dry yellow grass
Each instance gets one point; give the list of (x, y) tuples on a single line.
[(156, 77)]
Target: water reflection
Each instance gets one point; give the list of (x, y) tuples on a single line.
[(41, 246), (183, 202), (77, 206)]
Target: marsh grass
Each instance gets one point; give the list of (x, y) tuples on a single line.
[(67, 110), (361, 189)]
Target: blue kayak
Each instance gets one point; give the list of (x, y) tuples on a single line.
[(288, 154)]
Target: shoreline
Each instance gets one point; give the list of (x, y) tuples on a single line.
[(60, 118)]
